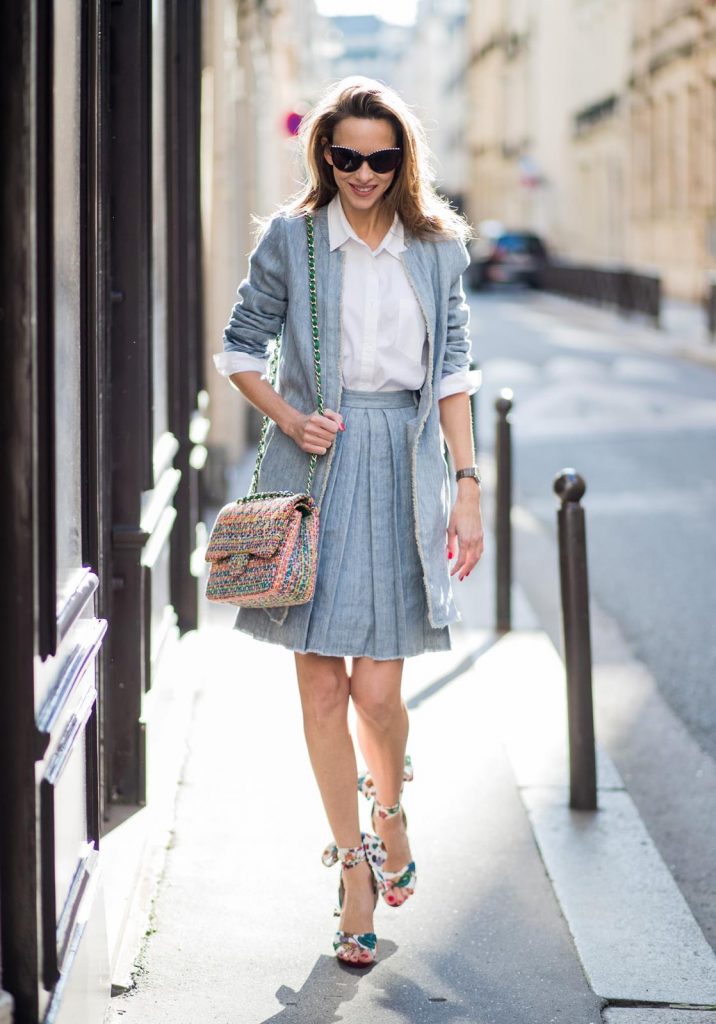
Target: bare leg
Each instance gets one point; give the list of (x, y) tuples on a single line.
[(324, 689), (382, 719)]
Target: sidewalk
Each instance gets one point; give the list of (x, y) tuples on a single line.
[(532, 914), (242, 921)]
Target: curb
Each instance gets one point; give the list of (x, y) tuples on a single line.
[(634, 933)]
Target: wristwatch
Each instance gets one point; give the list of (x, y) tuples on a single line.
[(472, 471)]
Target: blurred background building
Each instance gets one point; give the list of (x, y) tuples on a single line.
[(263, 64), (431, 75), (589, 122), (670, 138), (593, 122), (365, 44)]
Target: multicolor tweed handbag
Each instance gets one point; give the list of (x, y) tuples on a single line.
[(263, 549)]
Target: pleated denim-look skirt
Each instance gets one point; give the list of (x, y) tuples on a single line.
[(370, 596)]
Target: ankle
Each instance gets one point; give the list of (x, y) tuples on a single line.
[(385, 815), (356, 876), (394, 823)]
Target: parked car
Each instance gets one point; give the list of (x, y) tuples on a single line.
[(511, 257)]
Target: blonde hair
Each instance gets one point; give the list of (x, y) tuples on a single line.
[(412, 192)]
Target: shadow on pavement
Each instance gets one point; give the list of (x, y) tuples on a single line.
[(329, 985), (460, 669)]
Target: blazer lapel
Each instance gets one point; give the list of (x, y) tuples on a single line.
[(418, 266), (329, 284)]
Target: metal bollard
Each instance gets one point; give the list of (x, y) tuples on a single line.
[(569, 487), (711, 307), (503, 507)]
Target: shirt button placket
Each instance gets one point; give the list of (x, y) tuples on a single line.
[(371, 314)]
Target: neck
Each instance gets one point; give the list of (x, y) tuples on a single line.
[(369, 222)]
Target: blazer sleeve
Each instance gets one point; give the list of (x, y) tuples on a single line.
[(456, 363), (260, 311)]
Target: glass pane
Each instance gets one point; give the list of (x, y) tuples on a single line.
[(66, 199), (70, 820), (159, 223)]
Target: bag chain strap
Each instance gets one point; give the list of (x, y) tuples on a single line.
[(273, 367)]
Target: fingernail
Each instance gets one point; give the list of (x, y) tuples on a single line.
[(449, 554)]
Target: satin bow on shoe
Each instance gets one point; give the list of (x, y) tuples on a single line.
[(406, 878)]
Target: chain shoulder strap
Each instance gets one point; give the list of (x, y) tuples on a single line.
[(273, 369)]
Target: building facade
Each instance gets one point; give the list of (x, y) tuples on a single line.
[(140, 138), (592, 122), (672, 140), (431, 75), (262, 62), (104, 418)]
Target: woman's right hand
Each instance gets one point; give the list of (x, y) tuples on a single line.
[(315, 433)]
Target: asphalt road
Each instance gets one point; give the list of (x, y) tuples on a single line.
[(641, 429)]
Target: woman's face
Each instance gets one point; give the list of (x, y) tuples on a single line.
[(361, 190)]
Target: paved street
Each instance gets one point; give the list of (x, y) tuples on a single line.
[(642, 431), (641, 428)]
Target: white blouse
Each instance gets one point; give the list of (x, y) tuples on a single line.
[(385, 344)]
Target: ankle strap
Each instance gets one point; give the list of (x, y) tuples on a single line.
[(349, 856), (373, 850), (386, 812)]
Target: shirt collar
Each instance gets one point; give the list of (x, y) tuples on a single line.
[(340, 230)]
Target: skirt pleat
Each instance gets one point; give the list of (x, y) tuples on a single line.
[(370, 594)]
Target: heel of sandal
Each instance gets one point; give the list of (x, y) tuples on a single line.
[(371, 850)]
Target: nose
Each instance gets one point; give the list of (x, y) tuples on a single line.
[(364, 173)]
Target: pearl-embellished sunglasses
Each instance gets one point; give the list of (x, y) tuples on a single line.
[(381, 161)]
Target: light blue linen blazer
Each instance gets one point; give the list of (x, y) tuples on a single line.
[(275, 294)]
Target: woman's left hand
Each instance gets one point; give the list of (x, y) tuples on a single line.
[(465, 534)]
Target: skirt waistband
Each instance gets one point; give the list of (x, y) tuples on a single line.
[(382, 399)]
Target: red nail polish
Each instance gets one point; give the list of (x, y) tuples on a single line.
[(449, 554)]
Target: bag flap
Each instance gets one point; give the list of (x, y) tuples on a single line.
[(255, 527), (234, 565)]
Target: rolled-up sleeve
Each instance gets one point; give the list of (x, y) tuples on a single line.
[(236, 362), (463, 380), (456, 373), (258, 315)]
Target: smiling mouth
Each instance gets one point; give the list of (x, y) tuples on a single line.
[(363, 191)]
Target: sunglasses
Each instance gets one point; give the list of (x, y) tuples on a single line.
[(382, 161)]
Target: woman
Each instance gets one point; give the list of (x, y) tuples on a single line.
[(394, 361)]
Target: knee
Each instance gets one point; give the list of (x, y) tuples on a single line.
[(378, 708), (324, 694)]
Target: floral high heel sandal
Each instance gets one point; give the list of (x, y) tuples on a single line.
[(406, 878), (374, 852)]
